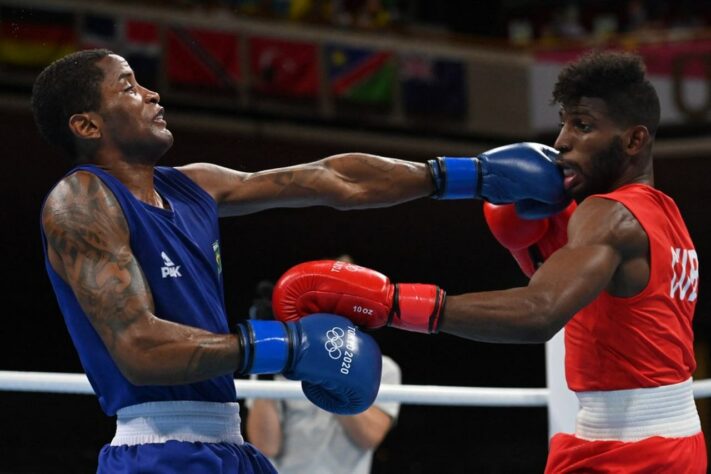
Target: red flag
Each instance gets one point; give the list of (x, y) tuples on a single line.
[(203, 58), (284, 68), (122, 35), (142, 34)]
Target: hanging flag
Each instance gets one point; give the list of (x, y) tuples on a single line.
[(202, 59), (284, 68), (142, 50), (360, 75), (33, 38), (137, 41), (679, 70), (99, 31), (122, 35), (433, 87)]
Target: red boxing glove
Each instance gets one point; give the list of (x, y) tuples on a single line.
[(364, 296), (530, 242), (557, 235)]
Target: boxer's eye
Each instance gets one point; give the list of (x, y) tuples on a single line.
[(583, 126)]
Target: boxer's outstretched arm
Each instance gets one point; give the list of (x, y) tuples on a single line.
[(88, 246), (607, 250), (346, 181), (602, 234)]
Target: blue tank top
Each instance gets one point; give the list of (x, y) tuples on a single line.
[(178, 250)]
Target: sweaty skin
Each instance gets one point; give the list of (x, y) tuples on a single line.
[(87, 235), (607, 248)]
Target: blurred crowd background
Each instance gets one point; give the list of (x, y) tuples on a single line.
[(478, 70), (254, 84), (515, 21)]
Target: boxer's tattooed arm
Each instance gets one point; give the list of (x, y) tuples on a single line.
[(89, 247), (89, 242)]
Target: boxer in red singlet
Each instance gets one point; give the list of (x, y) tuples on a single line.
[(624, 285)]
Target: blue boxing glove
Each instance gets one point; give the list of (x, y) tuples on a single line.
[(338, 365), (519, 172)]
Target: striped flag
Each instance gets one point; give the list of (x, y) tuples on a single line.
[(137, 41), (360, 75), (679, 70), (433, 86), (203, 59), (284, 68), (33, 38)]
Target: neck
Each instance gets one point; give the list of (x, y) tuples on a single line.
[(643, 173), (136, 176)]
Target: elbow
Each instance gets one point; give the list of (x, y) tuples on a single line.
[(140, 357), (542, 329), (139, 381), (138, 374), (140, 367), (542, 335), (543, 318), (147, 369)]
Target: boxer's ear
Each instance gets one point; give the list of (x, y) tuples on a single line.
[(86, 125)]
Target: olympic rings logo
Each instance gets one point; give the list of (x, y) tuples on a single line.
[(334, 342)]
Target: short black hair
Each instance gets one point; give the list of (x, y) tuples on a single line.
[(68, 86), (618, 79)]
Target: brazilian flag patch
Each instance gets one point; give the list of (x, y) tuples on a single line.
[(218, 258)]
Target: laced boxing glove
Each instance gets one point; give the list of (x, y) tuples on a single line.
[(338, 365), (530, 242), (519, 172), (364, 296)]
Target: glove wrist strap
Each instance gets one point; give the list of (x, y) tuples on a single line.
[(455, 178), (418, 308), (266, 347)]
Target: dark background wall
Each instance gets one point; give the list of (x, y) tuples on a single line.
[(425, 241)]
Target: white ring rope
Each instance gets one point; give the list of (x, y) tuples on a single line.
[(51, 382)]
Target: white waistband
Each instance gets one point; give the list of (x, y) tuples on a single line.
[(631, 415), (158, 422)]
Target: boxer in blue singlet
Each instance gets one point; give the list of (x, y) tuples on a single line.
[(133, 254)]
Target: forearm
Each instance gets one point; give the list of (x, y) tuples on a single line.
[(368, 429), (345, 181), (160, 352), (264, 427), (370, 181), (516, 315), (567, 282)]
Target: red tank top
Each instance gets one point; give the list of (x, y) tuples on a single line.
[(645, 340)]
